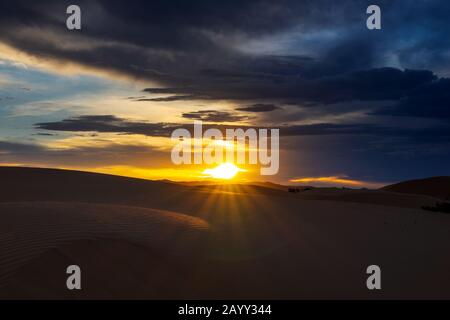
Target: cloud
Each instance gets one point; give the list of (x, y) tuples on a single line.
[(192, 49), (431, 100), (214, 116), (336, 181), (18, 148), (113, 124), (259, 107), (45, 134), (329, 180), (109, 123), (369, 85), (170, 98), (199, 51)]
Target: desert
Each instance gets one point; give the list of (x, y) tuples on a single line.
[(135, 238)]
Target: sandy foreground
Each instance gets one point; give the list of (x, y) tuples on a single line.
[(143, 239)]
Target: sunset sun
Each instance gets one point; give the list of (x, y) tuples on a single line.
[(224, 171)]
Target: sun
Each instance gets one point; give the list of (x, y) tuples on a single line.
[(223, 171)]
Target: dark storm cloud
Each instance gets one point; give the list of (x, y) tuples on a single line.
[(214, 116), (170, 42), (370, 85), (191, 47), (169, 98), (188, 46), (163, 90), (44, 134), (109, 123), (433, 134), (112, 124), (432, 100), (259, 107)]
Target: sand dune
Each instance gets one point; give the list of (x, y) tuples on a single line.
[(217, 242), (438, 187), (26, 184), (30, 229)]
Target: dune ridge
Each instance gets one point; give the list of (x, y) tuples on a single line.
[(438, 187), (29, 229)]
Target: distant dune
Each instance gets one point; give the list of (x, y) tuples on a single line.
[(134, 238), (438, 187)]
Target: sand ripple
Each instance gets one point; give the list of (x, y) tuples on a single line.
[(30, 228)]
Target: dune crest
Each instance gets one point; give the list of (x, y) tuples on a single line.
[(29, 229)]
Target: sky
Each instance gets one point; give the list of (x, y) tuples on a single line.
[(355, 107)]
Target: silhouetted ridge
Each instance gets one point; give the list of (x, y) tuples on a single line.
[(438, 187)]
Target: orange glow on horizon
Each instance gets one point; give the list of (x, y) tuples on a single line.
[(328, 180)]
